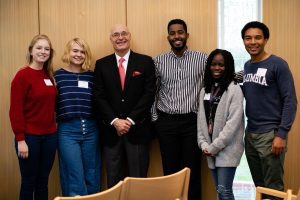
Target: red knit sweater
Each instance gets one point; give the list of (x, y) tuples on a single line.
[(32, 103)]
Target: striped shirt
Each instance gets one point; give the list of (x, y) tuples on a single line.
[(74, 94), (179, 81)]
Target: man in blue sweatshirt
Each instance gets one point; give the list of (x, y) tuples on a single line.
[(271, 106)]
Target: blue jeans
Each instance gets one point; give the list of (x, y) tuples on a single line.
[(36, 168), (223, 178), (79, 157)]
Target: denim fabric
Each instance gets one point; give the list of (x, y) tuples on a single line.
[(79, 157), (223, 178), (36, 168)]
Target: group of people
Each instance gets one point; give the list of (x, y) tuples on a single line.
[(194, 102)]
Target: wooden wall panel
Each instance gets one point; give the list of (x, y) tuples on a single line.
[(283, 19), (147, 21), (18, 24), (88, 19), (149, 25)]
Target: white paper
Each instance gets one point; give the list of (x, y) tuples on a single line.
[(207, 96), (83, 84), (48, 82), (261, 72)]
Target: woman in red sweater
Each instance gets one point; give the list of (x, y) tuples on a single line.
[(32, 107)]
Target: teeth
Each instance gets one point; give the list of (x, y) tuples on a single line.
[(253, 48)]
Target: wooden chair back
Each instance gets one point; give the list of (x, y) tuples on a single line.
[(109, 194), (170, 187), (262, 190)]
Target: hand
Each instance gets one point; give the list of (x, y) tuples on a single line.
[(205, 152), (22, 149), (278, 145), (122, 126)]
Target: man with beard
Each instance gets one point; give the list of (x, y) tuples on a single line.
[(179, 80)]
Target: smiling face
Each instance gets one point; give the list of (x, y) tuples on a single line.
[(255, 42), (77, 54), (217, 66), (40, 52), (177, 37), (120, 38)]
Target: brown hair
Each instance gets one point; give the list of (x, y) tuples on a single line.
[(48, 66)]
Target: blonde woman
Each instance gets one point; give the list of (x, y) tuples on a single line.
[(78, 136), (32, 119)]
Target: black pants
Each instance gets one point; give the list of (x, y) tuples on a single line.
[(177, 134), (125, 155)]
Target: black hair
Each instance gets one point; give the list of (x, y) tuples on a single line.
[(177, 21), (256, 24), (228, 74)]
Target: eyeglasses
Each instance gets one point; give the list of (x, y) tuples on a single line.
[(117, 34)]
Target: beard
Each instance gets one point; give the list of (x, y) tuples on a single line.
[(178, 48)]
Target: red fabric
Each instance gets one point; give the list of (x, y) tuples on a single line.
[(122, 72), (32, 103)]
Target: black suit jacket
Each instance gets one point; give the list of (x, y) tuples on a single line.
[(134, 102)]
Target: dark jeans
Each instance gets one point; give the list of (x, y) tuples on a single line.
[(177, 134), (266, 168), (36, 168)]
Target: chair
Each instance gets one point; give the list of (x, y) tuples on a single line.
[(109, 194), (276, 193), (170, 187)]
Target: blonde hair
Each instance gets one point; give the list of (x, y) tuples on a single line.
[(82, 43), (48, 65)]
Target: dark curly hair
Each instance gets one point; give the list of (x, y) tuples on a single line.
[(228, 74), (177, 21), (256, 24)]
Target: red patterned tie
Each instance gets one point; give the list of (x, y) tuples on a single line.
[(122, 72)]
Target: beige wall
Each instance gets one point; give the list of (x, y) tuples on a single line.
[(62, 20), (283, 19), (18, 24)]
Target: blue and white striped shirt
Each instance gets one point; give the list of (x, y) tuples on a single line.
[(74, 94), (180, 80)]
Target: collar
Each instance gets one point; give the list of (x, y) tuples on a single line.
[(126, 56), (185, 53)]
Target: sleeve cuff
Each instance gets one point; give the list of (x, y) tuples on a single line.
[(131, 121), (20, 137), (204, 145), (213, 150), (282, 134), (112, 122)]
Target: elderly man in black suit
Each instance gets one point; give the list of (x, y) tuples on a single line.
[(124, 91)]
